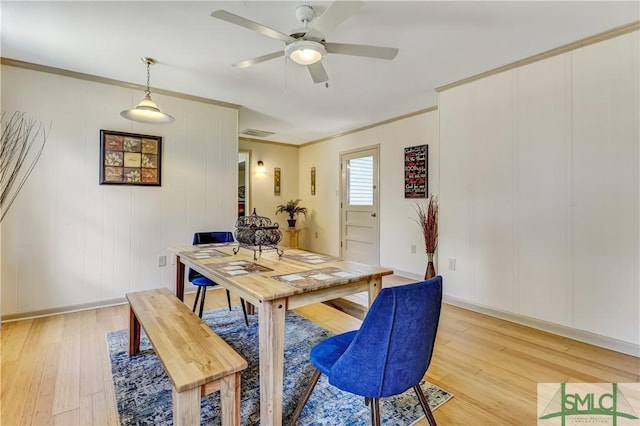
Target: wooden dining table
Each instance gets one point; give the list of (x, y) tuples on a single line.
[(274, 284)]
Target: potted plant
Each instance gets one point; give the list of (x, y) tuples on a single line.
[(292, 208), (428, 221)]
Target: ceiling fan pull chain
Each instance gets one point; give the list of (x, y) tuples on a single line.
[(326, 65)]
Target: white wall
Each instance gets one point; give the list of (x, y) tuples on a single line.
[(397, 229), (540, 190), (69, 241)]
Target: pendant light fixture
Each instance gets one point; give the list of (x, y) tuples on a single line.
[(147, 111)]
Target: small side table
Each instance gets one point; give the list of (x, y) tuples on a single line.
[(294, 237)]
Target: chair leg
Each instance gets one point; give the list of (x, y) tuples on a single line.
[(305, 397), (204, 294), (195, 300), (369, 403), (229, 299), (244, 311), (375, 411), (425, 405)]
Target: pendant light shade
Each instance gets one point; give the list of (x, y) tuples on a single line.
[(147, 111)]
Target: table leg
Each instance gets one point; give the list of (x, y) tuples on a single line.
[(271, 335), (134, 333), (179, 279)]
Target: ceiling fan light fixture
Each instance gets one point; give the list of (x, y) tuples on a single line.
[(147, 111), (305, 52)]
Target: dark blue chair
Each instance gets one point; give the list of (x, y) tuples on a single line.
[(389, 354), (203, 282)]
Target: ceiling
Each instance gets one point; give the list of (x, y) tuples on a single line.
[(439, 42)]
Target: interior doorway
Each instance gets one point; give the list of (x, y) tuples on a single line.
[(244, 183)]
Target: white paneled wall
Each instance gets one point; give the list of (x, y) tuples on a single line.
[(605, 210), (540, 190), (456, 191), (542, 158), (492, 190), (67, 240)]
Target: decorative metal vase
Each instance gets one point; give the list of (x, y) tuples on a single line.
[(431, 269)]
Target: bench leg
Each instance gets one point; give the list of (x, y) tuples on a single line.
[(134, 333), (186, 407), (230, 399)]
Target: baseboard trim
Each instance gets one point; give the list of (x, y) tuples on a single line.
[(409, 275), (356, 310), (557, 329), (63, 310)]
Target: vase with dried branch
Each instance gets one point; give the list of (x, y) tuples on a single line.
[(428, 221), (21, 143)]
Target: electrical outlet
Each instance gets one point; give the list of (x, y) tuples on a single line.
[(162, 261), (452, 264), (413, 248)]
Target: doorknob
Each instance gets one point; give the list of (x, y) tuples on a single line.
[(373, 215)]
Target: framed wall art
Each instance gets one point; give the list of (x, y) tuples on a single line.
[(276, 181), (416, 160), (313, 181), (130, 159)]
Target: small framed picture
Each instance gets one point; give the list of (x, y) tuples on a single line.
[(313, 181), (276, 181), (130, 159)]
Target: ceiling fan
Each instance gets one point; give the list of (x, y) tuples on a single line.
[(307, 45)]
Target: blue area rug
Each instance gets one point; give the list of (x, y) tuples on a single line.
[(143, 390)]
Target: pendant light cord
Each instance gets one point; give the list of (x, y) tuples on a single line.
[(148, 91)]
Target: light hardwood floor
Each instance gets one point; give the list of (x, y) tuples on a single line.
[(55, 370)]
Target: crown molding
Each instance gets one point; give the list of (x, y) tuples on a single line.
[(94, 78), (282, 144), (371, 126), (596, 38)]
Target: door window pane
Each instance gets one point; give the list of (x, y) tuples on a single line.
[(360, 181)]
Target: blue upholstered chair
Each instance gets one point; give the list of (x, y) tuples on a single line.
[(389, 354), (203, 282)]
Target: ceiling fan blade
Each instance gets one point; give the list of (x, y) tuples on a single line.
[(248, 62), (318, 73), (254, 26), (377, 52), (335, 14)]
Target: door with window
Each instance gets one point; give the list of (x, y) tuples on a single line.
[(359, 221)]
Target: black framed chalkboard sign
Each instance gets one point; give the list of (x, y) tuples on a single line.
[(416, 160)]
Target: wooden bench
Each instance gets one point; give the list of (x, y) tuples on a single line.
[(196, 359)]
